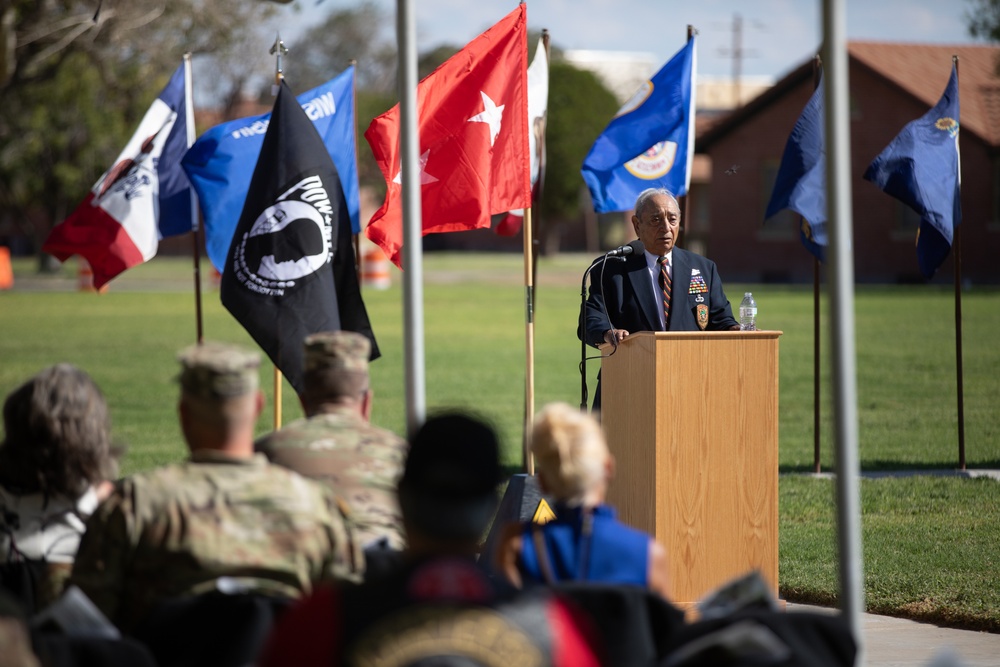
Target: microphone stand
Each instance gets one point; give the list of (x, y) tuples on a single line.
[(583, 325)]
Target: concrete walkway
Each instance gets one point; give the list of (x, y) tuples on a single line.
[(897, 642), (933, 472)]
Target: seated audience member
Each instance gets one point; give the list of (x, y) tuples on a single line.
[(225, 519), (15, 640), (335, 443), (440, 606), (55, 460), (585, 542)]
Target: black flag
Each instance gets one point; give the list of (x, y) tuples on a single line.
[(290, 270)]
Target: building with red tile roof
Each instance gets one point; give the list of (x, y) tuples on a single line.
[(891, 84)]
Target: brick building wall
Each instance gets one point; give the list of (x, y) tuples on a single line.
[(745, 160)]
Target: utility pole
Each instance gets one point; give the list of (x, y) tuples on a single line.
[(738, 53)]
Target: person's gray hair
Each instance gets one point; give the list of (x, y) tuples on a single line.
[(646, 195), (57, 435)]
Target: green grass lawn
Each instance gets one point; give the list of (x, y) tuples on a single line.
[(930, 544)]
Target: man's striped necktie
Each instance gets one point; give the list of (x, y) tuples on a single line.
[(665, 290)]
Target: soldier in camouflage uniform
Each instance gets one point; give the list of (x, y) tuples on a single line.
[(226, 519), (336, 444)]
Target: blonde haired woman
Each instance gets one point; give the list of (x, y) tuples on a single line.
[(585, 542)]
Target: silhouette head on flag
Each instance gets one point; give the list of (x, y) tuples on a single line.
[(292, 244), (220, 164), (801, 181), (922, 169)]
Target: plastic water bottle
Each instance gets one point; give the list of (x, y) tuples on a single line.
[(748, 313)]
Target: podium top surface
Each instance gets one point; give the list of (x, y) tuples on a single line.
[(692, 335)]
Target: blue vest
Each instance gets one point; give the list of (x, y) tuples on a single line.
[(608, 551)]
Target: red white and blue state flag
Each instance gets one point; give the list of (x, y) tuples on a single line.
[(144, 196)]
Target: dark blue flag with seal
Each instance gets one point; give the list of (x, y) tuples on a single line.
[(650, 141), (291, 270), (922, 169), (801, 181)]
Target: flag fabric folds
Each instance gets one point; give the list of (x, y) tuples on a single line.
[(538, 102), (221, 162), (922, 169), (801, 181), (292, 244), (473, 126), (650, 141), (144, 196)]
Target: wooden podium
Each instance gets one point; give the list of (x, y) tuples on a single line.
[(692, 420)]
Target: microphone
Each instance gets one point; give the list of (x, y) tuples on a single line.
[(621, 251)]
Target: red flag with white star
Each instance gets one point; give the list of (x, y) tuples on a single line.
[(473, 124)]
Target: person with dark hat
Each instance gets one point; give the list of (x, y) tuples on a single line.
[(440, 605), (337, 445), (224, 519)]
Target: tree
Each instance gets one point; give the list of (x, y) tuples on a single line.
[(362, 33), (75, 82), (984, 19), (579, 110)]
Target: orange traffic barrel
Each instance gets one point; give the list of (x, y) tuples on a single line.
[(374, 268), (6, 273), (85, 277)]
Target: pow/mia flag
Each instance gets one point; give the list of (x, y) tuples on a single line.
[(290, 270)]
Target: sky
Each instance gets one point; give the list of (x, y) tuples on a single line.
[(778, 35)]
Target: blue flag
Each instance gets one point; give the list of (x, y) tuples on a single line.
[(221, 163), (650, 142), (175, 190), (801, 181), (921, 168)]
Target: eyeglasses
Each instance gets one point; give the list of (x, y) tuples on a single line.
[(657, 222)]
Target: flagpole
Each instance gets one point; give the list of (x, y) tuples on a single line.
[(195, 211), (278, 50), (530, 268), (957, 249), (816, 324), (529, 342), (816, 366), (685, 205), (409, 139), (838, 182), (358, 258)]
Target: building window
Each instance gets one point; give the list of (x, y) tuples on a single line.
[(906, 222), (855, 106), (781, 226), (994, 223)]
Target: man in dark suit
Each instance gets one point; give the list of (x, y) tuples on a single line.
[(630, 296)]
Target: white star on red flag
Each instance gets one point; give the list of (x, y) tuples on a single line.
[(425, 178), (473, 180), (492, 115)]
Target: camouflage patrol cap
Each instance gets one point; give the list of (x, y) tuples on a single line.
[(218, 370), (337, 351)]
